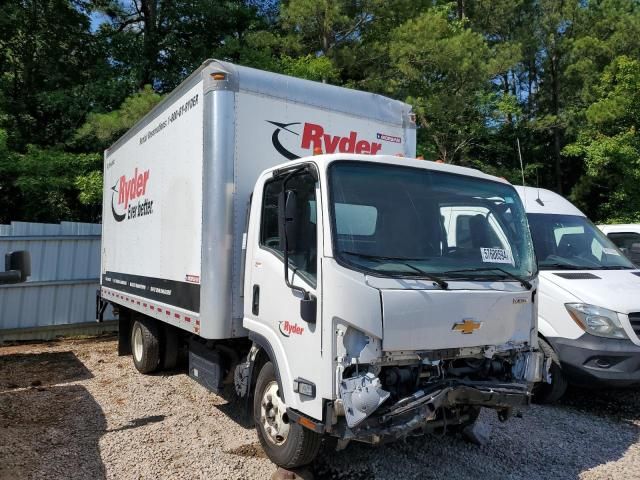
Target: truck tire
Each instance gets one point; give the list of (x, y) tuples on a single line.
[(544, 392), (145, 345), (287, 444)]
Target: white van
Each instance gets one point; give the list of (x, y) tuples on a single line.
[(589, 298), (626, 236)]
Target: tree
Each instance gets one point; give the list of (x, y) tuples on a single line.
[(50, 67), (159, 42), (610, 145), (445, 69)]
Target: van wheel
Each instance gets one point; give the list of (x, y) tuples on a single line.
[(287, 444), (145, 345), (544, 392)]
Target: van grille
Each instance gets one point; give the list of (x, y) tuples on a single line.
[(634, 319)]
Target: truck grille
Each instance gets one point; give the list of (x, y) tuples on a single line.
[(634, 319)]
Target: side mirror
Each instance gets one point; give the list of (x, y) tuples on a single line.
[(288, 220), (17, 266)]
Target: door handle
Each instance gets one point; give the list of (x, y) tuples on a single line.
[(255, 302)]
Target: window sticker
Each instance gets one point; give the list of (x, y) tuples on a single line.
[(611, 251), (495, 255)]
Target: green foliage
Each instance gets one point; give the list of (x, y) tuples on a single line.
[(310, 67), (610, 144), (102, 129), (44, 185), (451, 68), (90, 187)]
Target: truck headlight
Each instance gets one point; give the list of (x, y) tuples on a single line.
[(596, 320)]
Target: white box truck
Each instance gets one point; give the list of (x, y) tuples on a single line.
[(325, 288), (589, 307)]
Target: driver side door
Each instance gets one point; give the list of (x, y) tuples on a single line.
[(276, 306)]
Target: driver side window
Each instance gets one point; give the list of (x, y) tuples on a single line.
[(304, 258)]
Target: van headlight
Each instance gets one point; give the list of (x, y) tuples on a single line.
[(596, 320)]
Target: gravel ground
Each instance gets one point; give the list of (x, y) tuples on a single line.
[(75, 410)]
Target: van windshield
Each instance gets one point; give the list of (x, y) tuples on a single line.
[(402, 221), (572, 242)]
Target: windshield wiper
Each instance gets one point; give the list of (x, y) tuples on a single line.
[(525, 283), (404, 261)]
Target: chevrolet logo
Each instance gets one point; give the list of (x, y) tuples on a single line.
[(467, 326)]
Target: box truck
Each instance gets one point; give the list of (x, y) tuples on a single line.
[(324, 287), (589, 308)]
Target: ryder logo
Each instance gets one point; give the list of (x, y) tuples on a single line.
[(287, 329), (315, 136), (128, 190)]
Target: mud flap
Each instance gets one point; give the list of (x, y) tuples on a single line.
[(124, 333)]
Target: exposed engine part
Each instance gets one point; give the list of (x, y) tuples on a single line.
[(530, 366), (400, 381), (489, 351), (480, 368), (361, 396)]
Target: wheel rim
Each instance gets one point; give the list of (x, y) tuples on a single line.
[(273, 415), (137, 343)]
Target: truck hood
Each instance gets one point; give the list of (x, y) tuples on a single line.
[(438, 319), (617, 290)]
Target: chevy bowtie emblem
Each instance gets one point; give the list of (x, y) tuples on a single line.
[(467, 326)]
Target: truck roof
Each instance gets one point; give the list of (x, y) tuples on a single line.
[(290, 89), (325, 159), (540, 200)]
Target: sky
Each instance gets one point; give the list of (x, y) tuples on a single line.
[(96, 20)]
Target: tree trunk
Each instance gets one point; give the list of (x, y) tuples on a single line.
[(149, 9), (555, 103), (460, 9)]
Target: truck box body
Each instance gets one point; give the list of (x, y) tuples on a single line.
[(177, 185)]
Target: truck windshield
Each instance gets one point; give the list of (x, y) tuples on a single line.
[(572, 242), (401, 221)]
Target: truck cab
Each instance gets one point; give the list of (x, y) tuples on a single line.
[(388, 296), (589, 307)]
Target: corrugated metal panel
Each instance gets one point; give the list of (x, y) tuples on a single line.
[(65, 269)]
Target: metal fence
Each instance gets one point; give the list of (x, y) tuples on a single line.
[(59, 297)]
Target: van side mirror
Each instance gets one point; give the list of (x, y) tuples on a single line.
[(18, 267)]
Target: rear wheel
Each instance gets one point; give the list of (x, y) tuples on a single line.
[(545, 392), (145, 345), (287, 444)]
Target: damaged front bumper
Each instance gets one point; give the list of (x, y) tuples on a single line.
[(420, 411)]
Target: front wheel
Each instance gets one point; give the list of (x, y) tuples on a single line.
[(287, 444), (545, 392)]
